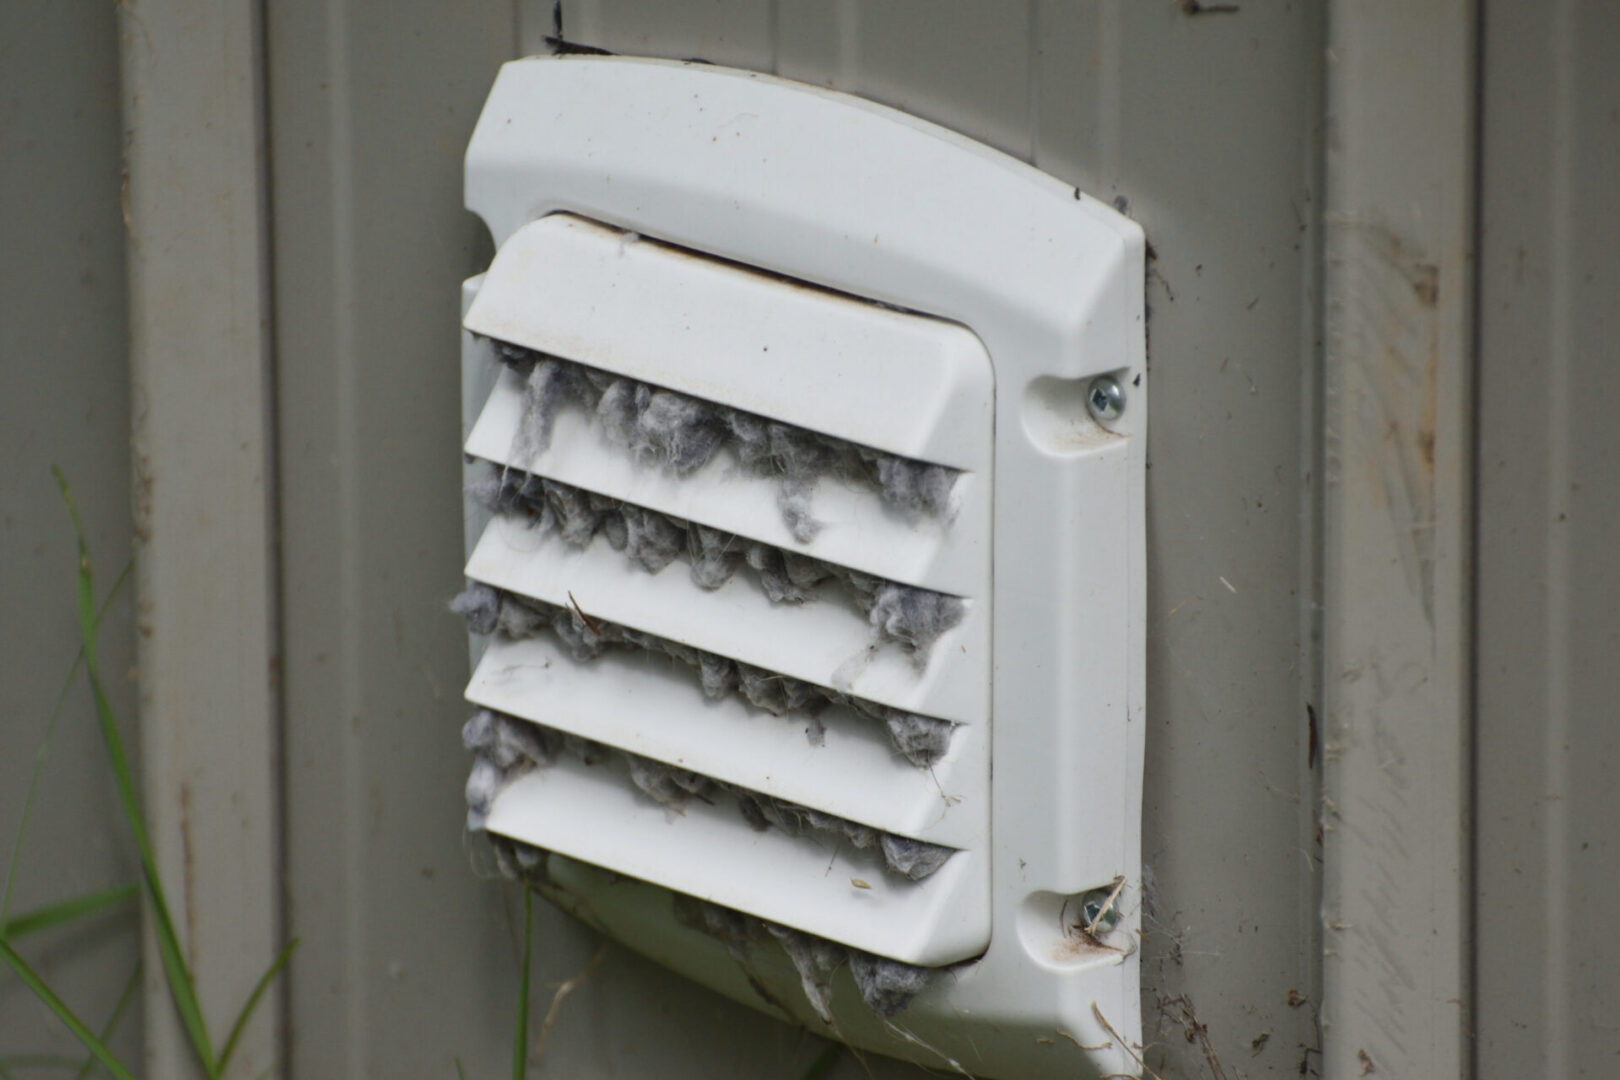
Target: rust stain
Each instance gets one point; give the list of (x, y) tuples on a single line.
[(1077, 944), (1426, 284), (1392, 340), (143, 497)]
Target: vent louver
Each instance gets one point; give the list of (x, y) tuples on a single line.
[(789, 517), (843, 627)]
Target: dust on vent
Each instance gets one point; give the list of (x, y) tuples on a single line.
[(776, 455)]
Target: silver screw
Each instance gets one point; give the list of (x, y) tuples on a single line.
[(1106, 398), (1097, 911)]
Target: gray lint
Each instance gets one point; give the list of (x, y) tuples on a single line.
[(918, 738), (913, 617), (683, 433), (913, 858), (502, 750), (480, 606), (484, 781), (739, 933), (885, 986), (921, 740), (518, 861), (505, 747), (816, 959), (548, 385), (904, 615)]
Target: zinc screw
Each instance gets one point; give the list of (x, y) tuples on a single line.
[(1096, 910), (1106, 398)]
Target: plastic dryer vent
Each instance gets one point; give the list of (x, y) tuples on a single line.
[(805, 575)]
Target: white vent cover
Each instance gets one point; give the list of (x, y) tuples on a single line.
[(781, 401)]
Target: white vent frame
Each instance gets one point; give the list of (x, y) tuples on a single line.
[(848, 195)]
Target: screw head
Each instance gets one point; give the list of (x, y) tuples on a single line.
[(1106, 398), (1095, 909)]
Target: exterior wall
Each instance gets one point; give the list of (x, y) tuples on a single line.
[(1209, 127), (64, 399), (1547, 857), (371, 106)]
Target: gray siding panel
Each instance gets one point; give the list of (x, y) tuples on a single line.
[(1548, 752), (1207, 126), (64, 399)]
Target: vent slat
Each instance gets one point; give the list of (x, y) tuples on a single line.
[(707, 851), (817, 372), (642, 703), (857, 531), (821, 641), (892, 380)]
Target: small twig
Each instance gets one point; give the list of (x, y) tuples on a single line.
[(562, 992), (913, 1039), (1196, 1032), (1108, 905), (1083, 1046), (833, 859), (1120, 1039), (589, 624)]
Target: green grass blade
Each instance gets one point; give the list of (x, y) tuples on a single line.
[(820, 1067), (181, 986), (461, 1074), (253, 1001), (45, 746), (32, 980), (520, 1037), (65, 911), (111, 1025)]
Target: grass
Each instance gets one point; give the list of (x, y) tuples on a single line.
[(178, 977), (520, 1037)]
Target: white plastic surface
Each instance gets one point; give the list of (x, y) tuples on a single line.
[(823, 641), (868, 202), (647, 705), (807, 882), (856, 531), (807, 357)]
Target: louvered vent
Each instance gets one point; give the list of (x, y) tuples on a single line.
[(805, 442), (719, 495)]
